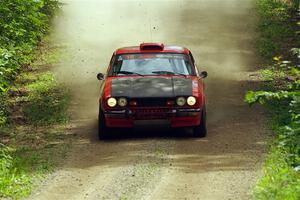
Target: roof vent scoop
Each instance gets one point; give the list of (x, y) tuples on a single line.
[(152, 46)]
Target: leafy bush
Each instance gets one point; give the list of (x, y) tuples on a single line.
[(273, 27), (21, 21), (290, 98), (24, 21), (3, 108), (281, 178), (50, 7), (22, 24)]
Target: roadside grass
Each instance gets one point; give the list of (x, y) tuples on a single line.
[(280, 180), (34, 140), (32, 104), (47, 101), (22, 167), (279, 39), (13, 181), (281, 172), (22, 26)]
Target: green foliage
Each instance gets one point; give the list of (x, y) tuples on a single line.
[(296, 52), (3, 110), (263, 96), (280, 180), (273, 26), (267, 74), (48, 101), (22, 24), (290, 99), (14, 182), (266, 47), (8, 67), (20, 166), (21, 21), (50, 7)]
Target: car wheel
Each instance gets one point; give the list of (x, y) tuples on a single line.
[(200, 131), (103, 130)]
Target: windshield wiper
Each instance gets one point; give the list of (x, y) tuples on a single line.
[(168, 73), (130, 73)]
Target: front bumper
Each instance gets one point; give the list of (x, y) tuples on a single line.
[(158, 117)]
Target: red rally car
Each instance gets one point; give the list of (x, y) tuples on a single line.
[(152, 85)]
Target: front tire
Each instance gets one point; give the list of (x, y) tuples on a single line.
[(201, 130), (103, 130)]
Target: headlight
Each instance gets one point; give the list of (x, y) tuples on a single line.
[(122, 102), (191, 101), (180, 101), (111, 102)]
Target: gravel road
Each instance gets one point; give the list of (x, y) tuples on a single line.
[(159, 164)]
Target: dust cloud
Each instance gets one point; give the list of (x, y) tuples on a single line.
[(223, 165), (93, 29)]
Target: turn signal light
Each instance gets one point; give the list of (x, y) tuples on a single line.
[(170, 103), (133, 103)]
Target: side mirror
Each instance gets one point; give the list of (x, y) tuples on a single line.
[(203, 74), (100, 76)]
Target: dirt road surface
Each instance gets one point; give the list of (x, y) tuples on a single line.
[(160, 164)]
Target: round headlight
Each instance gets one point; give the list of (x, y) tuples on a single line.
[(122, 102), (111, 102), (180, 101), (191, 101)]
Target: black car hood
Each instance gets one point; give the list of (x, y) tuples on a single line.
[(144, 87)]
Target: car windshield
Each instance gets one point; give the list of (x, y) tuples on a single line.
[(151, 64)]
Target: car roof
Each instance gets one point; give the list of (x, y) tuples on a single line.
[(152, 48)]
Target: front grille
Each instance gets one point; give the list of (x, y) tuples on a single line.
[(151, 102)]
